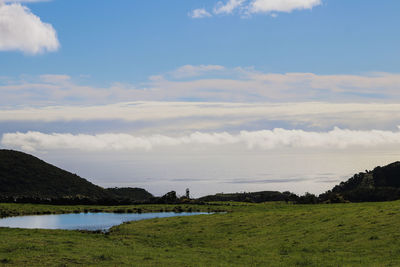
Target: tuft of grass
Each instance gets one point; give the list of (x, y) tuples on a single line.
[(5, 260)]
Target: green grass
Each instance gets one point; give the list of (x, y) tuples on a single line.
[(271, 234)]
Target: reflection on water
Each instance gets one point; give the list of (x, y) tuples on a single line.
[(83, 221)]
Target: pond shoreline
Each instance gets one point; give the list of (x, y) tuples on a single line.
[(101, 221), (12, 210)]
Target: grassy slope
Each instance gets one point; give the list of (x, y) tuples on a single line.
[(272, 234)]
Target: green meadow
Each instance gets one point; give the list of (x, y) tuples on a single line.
[(268, 234)]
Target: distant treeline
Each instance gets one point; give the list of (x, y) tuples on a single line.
[(263, 196), (254, 197), (169, 198)]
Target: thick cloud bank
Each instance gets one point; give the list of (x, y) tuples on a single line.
[(22, 30), (265, 139)]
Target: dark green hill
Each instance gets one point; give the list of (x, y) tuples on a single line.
[(254, 197), (138, 194), (380, 184), (23, 176)]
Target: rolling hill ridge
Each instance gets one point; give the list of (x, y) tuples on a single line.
[(380, 184), (23, 176)]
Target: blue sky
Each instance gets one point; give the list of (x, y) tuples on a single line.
[(127, 41), (174, 94)]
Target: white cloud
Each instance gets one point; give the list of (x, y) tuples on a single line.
[(267, 6), (25, 1), (266, 139), (250, 85), (228, 7), (22, 30), (218, 115), (55, 78), (225, 86), (248, 7), (199, 13), (188, 71), (212, 83)]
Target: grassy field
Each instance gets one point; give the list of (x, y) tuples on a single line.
[(271, 234)]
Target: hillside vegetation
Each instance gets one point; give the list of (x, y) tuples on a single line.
[(25, 175), (254, 197), (138, 194), (380, 184), (26, 178)]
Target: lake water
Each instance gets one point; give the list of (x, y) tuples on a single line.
[(83, 221)]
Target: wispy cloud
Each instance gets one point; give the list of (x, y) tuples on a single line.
[(189, 71), (251, 85), (248, 7), (265, 139), (227, 7), (25, 1), (199, 13), (22, 30), (212, 83), (195, 116)]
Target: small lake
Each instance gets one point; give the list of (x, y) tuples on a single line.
[(84, 221)]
